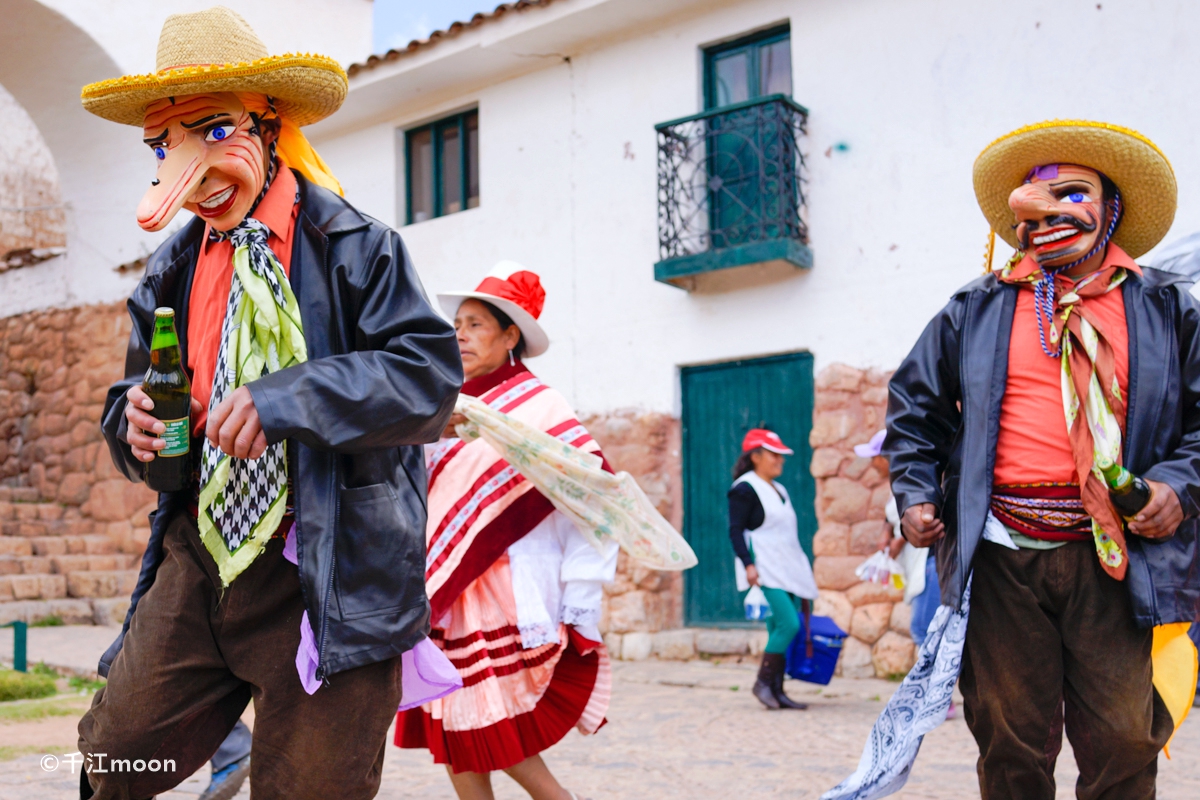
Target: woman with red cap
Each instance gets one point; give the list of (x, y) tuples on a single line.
[(514, 588), (763, 531)]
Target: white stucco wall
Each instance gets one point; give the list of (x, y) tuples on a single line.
[(49, 50), (915, 89)]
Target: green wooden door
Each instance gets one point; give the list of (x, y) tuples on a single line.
[(720, 403)]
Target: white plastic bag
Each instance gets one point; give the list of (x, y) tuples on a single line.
[(756, 604), (882, 569)]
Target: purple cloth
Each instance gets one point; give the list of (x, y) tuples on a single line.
[(427, 675), (426, 672), (1045, 172), (871, 448)]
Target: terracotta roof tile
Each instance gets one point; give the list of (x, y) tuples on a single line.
[(454, 29)]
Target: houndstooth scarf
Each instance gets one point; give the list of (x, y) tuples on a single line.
[(242, 501)]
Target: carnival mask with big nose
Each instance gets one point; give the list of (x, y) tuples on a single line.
[(212, 160), (1060, 213)]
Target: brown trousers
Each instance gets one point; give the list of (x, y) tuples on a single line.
[(193, 659), (1050, 629)]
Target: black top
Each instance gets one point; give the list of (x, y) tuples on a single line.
[(745, 514)]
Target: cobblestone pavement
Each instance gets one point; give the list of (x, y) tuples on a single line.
[(692, 730)]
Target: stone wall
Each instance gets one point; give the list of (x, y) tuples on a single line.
[(643, 601), (72, 529), (852, 493)]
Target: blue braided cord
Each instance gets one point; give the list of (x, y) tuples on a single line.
[(1043, 290)]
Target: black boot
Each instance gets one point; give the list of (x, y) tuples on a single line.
[(781, 698), (764, 687)]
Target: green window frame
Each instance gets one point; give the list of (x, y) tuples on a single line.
[(441, 167), (752, 48)]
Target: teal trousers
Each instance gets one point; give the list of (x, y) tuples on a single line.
[(784, 622)]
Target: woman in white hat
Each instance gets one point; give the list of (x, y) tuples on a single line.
[(765, 538), (514, 588)]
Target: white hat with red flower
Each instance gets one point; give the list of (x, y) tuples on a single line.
[(518, 293)]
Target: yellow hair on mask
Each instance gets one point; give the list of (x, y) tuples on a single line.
[(292, 146)]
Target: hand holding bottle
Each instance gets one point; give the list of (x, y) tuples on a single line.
[(143, 425), (1161, 516)]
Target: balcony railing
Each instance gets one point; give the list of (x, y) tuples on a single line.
[(731, 190)]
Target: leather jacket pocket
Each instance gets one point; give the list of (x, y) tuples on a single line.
[(380, 553)]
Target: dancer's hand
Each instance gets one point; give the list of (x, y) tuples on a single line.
[(921, 526), (752, 575), (455, 419), (1161, 516), (888, 540), (234, 426), (142, 424)]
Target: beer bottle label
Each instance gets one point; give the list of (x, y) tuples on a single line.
[(177, 436)]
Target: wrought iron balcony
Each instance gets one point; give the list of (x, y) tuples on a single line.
[(731, 195)]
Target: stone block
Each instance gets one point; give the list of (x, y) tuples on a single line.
[(14, 612), (865, 536), (612, 642), (826, 462), (101, 584), (627, 612), (7, 511), (636, 646), (844, 500), (6, 592), (722, 642), (25, 587), (675, 645), (855, 468), (49, 546), (62, 565), (836, 572), (109, 610), (901, 620), (106, 501), (757, 642), (894, 654), (32, 529), (840, 377), (856, 659), (12, 546), (831, 427), (52, 586), (865, 593), (870, 621), (25, 512), (832, 539), (73, 612), (880, 495), (49, 512), (74, 488), (34, 565), (9, 565), (25, 494), (875, 396), (835, 606), (98, 545)]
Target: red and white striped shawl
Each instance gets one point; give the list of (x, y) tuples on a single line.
[(478, 503)]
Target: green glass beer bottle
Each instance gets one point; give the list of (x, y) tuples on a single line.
[(167, 385), (1129, 493)]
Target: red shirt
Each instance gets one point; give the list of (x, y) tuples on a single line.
[(1033, 446), (214, 272)]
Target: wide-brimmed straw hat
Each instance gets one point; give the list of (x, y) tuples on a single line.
[(217, 51), (518, 293), (1126, 157)]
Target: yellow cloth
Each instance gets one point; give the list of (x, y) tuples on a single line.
[(292, 146), (1174, 658)]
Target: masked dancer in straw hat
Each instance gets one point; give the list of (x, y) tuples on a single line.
[(1008, 424), (515, 588), (288, 570)]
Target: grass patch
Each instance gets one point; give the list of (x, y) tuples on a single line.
[(83, 684), (895, 677), (31, 712), (874, 698), (52, 621), (25, 685), (9, 753), (40, 668)]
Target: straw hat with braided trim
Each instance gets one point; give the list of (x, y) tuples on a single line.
[(1128, 159), (217, 51)]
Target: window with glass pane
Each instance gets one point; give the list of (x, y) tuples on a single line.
[(750, 67), (442, 167)]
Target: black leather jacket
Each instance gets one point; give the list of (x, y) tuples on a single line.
[(381, 379), (941, 455)]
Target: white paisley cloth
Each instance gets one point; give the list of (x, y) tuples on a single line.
[(917, 707)]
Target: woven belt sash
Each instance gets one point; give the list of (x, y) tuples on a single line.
[(1050, 511)]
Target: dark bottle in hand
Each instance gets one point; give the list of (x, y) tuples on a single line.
[(1129, 493), (168, 386)]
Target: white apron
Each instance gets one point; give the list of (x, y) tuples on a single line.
[(778, 556)]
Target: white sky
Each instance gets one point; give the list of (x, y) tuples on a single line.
[(398, 22)]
